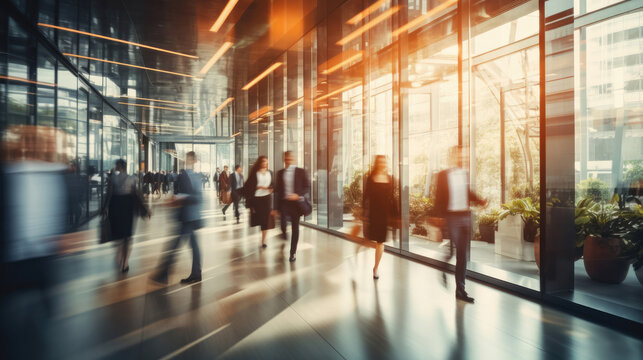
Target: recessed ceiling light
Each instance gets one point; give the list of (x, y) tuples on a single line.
[(117, 40), (224, 15), (129, 65)]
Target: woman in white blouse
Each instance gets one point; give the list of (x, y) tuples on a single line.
[(258, 191)]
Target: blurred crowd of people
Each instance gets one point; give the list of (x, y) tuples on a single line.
[(36, 219)]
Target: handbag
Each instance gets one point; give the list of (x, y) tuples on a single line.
[(271, 221), (304, 206), (355, 230), (105, 230)]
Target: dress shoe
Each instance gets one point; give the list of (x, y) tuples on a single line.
[(125, 269), (190, 280), (292, 258), (283, 236), (464, 297)]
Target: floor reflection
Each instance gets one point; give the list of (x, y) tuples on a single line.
[(253, 303)]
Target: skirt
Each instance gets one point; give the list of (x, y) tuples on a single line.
[(262, 208), (121, 216)]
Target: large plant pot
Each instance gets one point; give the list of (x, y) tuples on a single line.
[(509, 239), (603, 260), (639, 274), (487, 232)]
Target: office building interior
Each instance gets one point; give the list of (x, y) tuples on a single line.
[(545, 97)]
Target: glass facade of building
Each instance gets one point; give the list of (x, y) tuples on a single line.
[(362, 83)]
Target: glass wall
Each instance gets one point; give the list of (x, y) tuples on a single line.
[(38, 88), (410, 79)]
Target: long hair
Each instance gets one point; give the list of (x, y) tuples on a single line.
[(374, 169), (257, 165)]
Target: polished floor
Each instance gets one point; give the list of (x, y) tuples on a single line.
[(254, 304)]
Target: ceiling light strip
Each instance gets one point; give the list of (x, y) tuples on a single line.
[(27, 81), (366, 12), (220, 107), (341, 64), (217, 55), (262, 75), (129, 65), (158, 107), (291, 104), (424, 17), (158, 100), (364, 28), (345, 88), (198, 130), (117, 40), (261, 112), (224, 15), (236, 134)]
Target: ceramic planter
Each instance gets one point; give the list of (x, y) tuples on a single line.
[(639, 274), (487, 232), (603, 259)]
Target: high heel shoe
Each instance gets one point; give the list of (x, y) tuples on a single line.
[(376, 275), (125, 269)]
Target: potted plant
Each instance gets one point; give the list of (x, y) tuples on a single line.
[(529, 213), (420, 208), (635, 237), (607, 248), (487, 225), (353, 194)]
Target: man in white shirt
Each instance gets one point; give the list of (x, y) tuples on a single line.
[(453, 196), (292, 186)]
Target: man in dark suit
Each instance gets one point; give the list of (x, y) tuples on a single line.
[(292, 186), (452, 200), (189, 202), (236, 187)]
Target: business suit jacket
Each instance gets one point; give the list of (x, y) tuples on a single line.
[(302, 186), (442, 197), (233, 186)]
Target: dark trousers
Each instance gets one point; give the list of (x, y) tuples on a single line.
[(187, 229), (459, 225), (235, 204), (290, 211)]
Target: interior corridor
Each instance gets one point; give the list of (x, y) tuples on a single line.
[(253, 303)]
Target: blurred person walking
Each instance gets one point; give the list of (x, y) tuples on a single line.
[(148, 179), (189, 201), (224, 180), (379, 207), (291, 188), (34, 212), (452, 200), (122, 202), (258, 190), (215, 178), (166, 182), (236, 191), (175, 182)]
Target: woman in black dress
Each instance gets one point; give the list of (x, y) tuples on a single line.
[(379, 207), (258, 190), (122, 202)]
